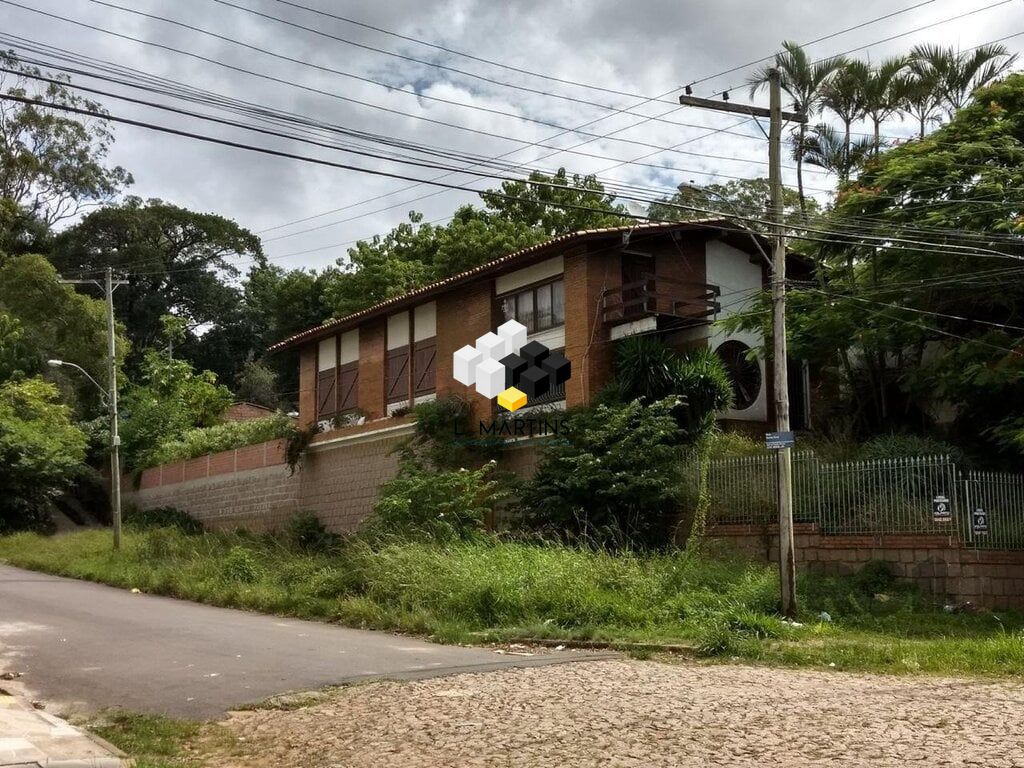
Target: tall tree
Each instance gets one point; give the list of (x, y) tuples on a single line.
[(958, 74), (48, 319), (743, 198), (176, 261), (554, 204), (932, 327), (804, 81), (882, 95), (50, 164), (826, 148), (845, 95), (920, 98)]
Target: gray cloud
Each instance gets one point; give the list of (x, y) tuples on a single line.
[(637, 47)]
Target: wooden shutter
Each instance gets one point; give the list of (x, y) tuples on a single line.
[(348, 387), (326, 394), (423, 376), (396, 382)]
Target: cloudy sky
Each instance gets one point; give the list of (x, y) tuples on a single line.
[(525, 80)]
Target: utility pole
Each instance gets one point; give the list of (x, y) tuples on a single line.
[(115, 437), (109, 285), (775, 115)]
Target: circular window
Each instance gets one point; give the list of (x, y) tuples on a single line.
[(744, 372)]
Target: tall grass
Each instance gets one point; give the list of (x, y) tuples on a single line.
[(492, 590)]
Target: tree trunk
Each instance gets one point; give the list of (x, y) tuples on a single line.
[(800, 172)]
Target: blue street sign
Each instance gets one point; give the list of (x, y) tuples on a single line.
[(776, 440)]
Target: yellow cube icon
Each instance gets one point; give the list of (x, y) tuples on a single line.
[(512, 399)]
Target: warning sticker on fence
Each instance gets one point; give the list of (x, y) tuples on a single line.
[(942, 510), (980, 521)]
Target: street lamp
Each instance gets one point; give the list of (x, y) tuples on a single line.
[(115, 444)]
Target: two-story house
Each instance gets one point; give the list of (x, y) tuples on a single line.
[(576, 293)]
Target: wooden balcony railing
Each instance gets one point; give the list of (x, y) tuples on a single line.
[(654, 296)]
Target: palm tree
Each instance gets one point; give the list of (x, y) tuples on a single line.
[(844, 94), (882, 95), (826, 148), (803, 80), (958, 74), (920, 97)]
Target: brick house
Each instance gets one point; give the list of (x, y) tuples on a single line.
[(577, 293)]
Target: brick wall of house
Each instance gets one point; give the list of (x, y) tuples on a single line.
[(586, 336), (371, 368), (462, 317), (938, 565)]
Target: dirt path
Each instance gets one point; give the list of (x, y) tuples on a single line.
[(629, 713)]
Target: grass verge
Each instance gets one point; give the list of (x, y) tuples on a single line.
[(153, 741), (491, 590)]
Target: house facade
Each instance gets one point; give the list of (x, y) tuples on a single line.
[(576, 294)]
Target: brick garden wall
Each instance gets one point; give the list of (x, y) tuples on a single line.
[(252, 487), (938, 565)]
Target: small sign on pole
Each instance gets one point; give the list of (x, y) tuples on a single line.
[(942, 511), (776, 440), (980, 521)]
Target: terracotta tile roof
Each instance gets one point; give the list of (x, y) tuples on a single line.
[(439, 286)]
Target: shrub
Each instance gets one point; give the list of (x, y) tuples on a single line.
[(437, 504), (222, 437), (615, 479), (161, 517), (903, 446), (41, 452), (874, 577), (240, 565), (306, 533)]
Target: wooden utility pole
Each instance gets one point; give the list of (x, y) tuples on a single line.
[(775, 115)]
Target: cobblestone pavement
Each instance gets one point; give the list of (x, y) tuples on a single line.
[(632, 713)]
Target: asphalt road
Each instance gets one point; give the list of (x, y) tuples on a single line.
[(86, 646)]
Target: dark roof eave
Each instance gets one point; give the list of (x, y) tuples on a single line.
[(444, 285)]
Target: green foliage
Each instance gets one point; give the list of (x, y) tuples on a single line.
[(178, 260), (221, 437), (306, 533), (241, 566), (152, 741), (614, 479), (742, 198), (51, 164), (161, 517), (645, 368), (257, 383), (438, 424), (885, 322), (906, 446), (169, 400), (41, 452), (437, 505), (297, 445), (701, 379), (415, 253), (875, 577), (41, 319), (485, 590), (555, 205), (649, 370)]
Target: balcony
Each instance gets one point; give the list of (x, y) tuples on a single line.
[(670, 303)]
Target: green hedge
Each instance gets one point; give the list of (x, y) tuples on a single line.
[(222, 437)]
